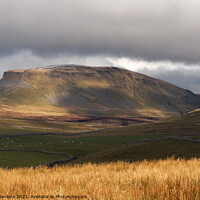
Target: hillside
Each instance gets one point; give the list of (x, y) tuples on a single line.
[(80, 91), (31, 142)]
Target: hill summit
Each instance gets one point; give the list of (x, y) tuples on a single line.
[(93, 91)]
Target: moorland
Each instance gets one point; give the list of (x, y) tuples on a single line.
[(94, 120)]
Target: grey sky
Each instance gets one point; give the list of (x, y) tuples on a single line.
[(36, 33)]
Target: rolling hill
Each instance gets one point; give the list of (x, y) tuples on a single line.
[(79, 91), (177, 136)]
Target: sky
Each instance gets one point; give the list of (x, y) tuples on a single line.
[(159, 38)]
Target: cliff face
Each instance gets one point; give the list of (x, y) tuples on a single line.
[(106, 91)]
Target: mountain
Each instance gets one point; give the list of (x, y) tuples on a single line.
[(92, 91)]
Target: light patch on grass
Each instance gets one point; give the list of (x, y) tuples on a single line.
[(94, 84)]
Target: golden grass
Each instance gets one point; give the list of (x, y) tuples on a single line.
[(37, 112), (163, 179), (32, 110)]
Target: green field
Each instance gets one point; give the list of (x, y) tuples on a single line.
[(104, 146), (12, 159), (145, 151)]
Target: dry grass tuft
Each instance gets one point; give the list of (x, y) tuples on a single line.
[(163, 179)]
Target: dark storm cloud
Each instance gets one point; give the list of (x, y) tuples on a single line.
[(159, 38), (151, 30)]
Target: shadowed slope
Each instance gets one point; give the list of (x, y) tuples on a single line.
[(96, 91)]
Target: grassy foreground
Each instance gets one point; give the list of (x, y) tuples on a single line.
[(162, 179)]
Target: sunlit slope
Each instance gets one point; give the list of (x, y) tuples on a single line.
[(103, 91)]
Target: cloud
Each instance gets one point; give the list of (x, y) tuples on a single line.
[(177, 73), (180, 74), (187, 79), (28, 60), (159, 37), (150, 30)]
